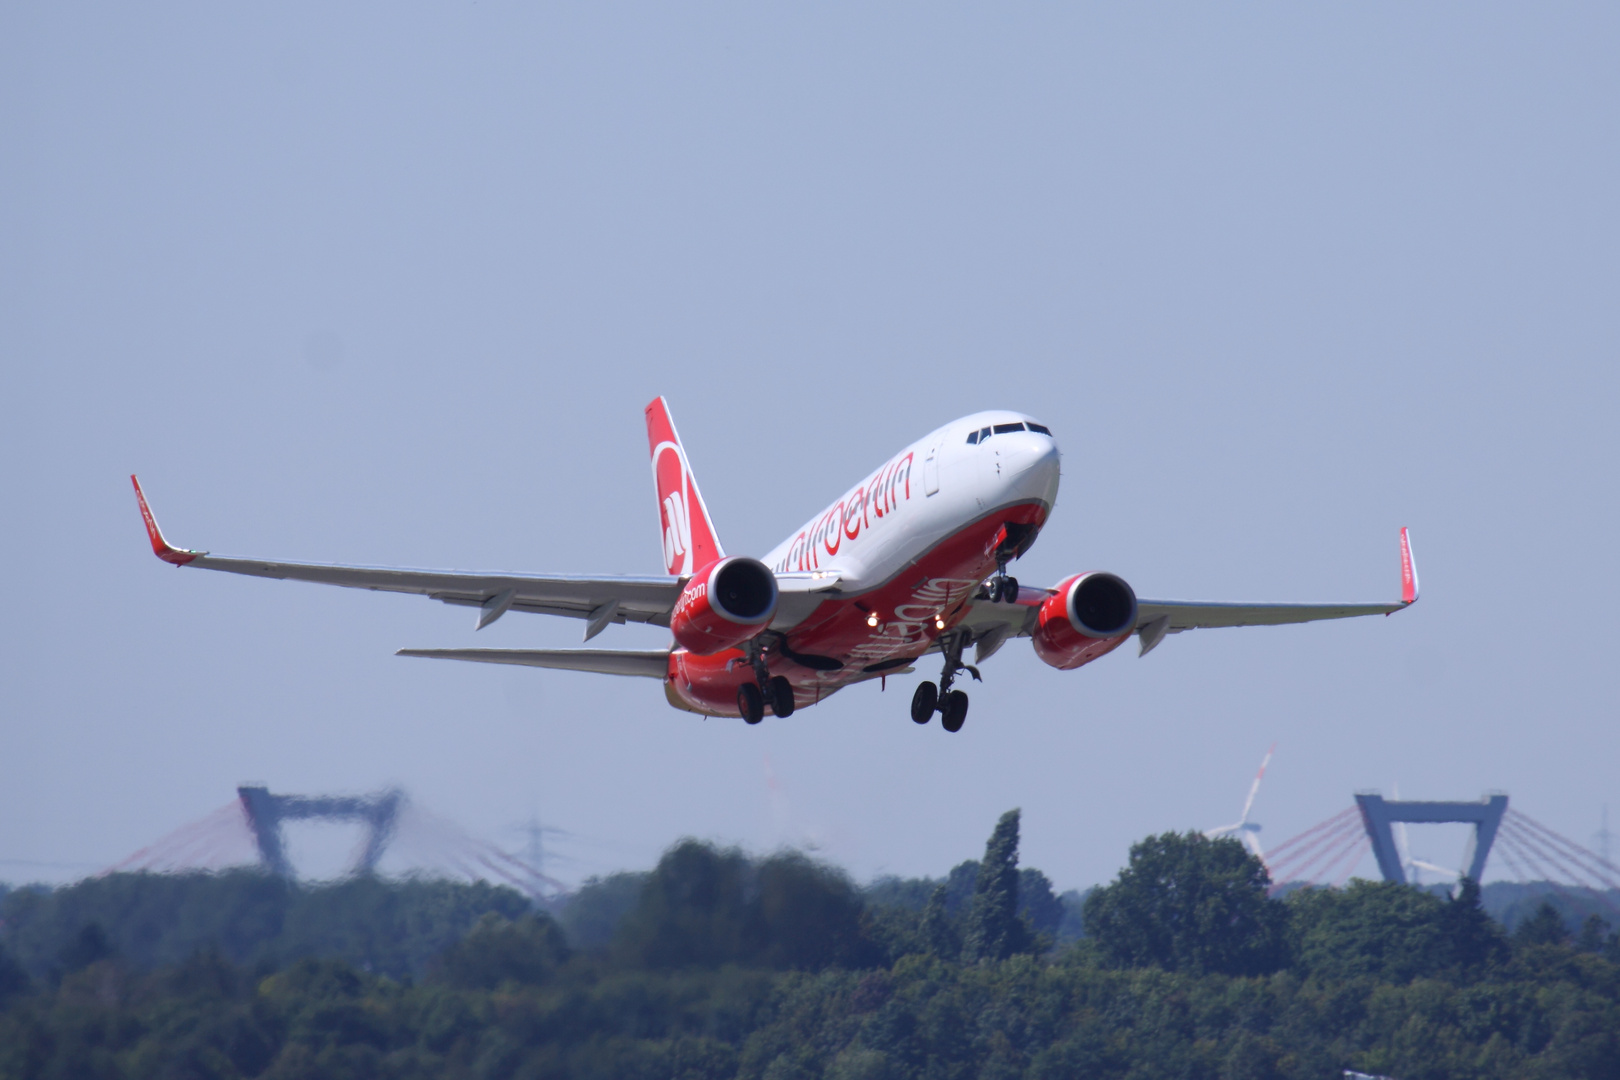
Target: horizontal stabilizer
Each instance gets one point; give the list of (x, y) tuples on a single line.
[(651, 665)]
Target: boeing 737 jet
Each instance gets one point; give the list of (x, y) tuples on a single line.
[(911, 561)]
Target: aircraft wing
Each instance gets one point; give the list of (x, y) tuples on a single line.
[(1200, 614), (993, 623), (653, 664), (1156, 618), (598, 600)]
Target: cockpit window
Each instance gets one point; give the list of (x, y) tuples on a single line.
[(1005, 429), (973, 437), (1041, 429), (984, 433)]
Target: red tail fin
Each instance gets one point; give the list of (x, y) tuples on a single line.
[(689, 540)]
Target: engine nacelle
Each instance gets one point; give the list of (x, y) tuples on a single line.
[(723, 605), (1089, 615)]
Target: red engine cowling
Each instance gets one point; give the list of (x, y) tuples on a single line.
[(724, 605), (1089, 615)]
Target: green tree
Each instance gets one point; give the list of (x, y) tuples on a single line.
[(806, 916), (86, 947), (592, 915), (1594, 937), (1545, 927), (14, 981), (1037, 903), (704, 907), (938, 931), (526, 950), (1473, 938), (693, 910), (1189, 903), (1382, 929), (994, 930)]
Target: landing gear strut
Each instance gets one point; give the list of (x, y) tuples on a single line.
[(952, 705), (951, 646)]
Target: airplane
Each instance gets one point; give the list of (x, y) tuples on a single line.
[(910, 561)]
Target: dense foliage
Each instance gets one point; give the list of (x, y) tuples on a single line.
[(1188, 903), (717, 965), (249, 918)]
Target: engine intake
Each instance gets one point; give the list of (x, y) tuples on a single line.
[(1088, 615), (724, 605)]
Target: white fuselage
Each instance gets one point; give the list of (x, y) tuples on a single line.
[(921, 496)]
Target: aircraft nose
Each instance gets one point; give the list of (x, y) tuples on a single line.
[(1037, 452), (1032, 468)]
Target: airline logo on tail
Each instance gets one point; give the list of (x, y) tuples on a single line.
[(689, 540)]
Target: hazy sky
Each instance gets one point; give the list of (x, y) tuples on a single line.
[(392, 285)]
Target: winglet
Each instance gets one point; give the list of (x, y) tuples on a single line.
[(160, 546), (1409, 577)]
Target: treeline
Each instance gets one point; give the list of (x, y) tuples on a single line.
[(717, 965), (395, 928), (249, 918)]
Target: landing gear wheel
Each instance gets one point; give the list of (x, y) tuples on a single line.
[(993, 590), (1009, 590), (923, 702), (781, 692), (751, 703), (953, 710)]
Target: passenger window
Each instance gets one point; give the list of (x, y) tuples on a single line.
[(1040, 428), (973, 437), (1005, 429)]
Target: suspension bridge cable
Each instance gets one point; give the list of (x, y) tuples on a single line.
[(1525, 842), (1334, 821), (1303, 853), (1330, 845), (1529, 853), (1596, 866)]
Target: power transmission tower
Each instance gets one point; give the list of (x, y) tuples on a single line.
[(534, 851)]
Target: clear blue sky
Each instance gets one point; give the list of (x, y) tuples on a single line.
[(391, 285)]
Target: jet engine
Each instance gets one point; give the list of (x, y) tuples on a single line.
[(724, 605), (1087, 616)]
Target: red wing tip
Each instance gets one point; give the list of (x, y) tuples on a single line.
[(160, 547), (1409, 575)]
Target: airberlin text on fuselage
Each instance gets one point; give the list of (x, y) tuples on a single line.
[(689, 596), (859, 510)]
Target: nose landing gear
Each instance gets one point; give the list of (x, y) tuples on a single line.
[(1011, 541), (1001, 588)]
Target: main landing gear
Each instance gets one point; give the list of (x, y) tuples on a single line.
[(952, 705), (778, 692)]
